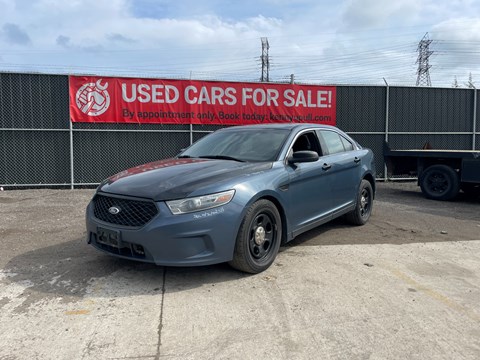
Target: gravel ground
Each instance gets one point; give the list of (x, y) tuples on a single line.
[(406, 285)]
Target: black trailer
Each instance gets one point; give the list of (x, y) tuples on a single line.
[(441, 174)]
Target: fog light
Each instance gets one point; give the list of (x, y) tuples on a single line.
[(138, 250)]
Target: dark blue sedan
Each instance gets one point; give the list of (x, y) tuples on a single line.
[(234, 196)]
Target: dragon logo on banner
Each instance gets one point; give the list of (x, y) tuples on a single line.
[(93, 98)]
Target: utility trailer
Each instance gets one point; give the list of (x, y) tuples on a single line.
[(441, 174)]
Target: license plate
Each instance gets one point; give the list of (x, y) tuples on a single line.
[(108, 237)]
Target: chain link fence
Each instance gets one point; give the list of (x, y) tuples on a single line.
[(39, 146)]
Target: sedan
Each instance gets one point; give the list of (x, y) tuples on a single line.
[(233, 196)]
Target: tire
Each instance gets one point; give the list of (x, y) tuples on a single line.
[(439, 182), (258, 238), (364, 206)]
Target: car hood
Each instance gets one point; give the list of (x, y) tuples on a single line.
[(178, 178)]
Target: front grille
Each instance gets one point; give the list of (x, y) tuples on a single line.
[(133, 213)]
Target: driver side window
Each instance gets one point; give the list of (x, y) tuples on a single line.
[(307, 141)]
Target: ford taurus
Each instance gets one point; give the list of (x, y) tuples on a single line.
[(233, 196)]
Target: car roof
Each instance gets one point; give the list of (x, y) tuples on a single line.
[(285, 126)]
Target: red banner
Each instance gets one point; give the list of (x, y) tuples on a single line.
[(125, 100)]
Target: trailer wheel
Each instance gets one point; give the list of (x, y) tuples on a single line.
[(440, 182)]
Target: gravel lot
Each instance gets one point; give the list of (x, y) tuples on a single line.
[(404, 286)]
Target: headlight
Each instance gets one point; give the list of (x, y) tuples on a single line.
[(204, 202)]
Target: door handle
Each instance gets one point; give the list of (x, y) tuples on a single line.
[(357, 160), (326, 166)]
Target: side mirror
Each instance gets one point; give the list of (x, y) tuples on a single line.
[(303, 157)]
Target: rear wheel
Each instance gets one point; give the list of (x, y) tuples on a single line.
[(363, 209), (439, 182), (258, 239)]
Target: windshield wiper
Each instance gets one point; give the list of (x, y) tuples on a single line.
[(183, 157), (220, 157)]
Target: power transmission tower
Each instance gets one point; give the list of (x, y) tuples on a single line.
[(470, 84), (423, 75), (455, 82), (265, 61)]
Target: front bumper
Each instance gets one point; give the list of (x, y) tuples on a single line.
[(200, 238)]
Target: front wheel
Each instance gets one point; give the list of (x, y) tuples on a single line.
[(258, 239), (439, 182), (363, 209)]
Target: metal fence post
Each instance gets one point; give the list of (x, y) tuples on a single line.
[(474, 129), (72, 178), (387, 110)]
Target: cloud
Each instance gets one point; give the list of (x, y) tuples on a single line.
[(341, 41), (373, 13), (13, 34), (456, 49), (63, 41), (454, 29), (120, 38)]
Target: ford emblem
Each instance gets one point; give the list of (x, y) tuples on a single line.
[(114, 210)]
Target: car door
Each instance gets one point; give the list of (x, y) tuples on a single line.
[(344, 162), (309, 187)]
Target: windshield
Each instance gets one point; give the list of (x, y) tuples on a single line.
[(241, 145)]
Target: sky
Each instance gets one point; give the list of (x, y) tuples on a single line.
[(366, 42)]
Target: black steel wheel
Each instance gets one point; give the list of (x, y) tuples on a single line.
[(440, 182), (258, 239), (364, 206)]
